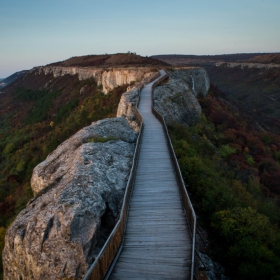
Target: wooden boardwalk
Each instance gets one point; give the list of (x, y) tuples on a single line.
[(157, 242)]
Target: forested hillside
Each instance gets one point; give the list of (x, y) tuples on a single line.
[(255, 91), (233, 172), (35, 117)]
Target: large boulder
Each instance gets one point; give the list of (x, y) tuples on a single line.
[(175, 99), (78, 194), (196, 77)]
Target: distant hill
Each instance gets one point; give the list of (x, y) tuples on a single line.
[(269, 58), (10, 79), (181, 60), (110, 60)]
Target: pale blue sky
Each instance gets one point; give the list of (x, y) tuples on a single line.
[(36, 32)]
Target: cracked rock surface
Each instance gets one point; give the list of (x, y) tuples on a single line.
[(58, 235), (127, 107)]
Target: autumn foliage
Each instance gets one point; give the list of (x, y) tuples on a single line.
[(232, 169)]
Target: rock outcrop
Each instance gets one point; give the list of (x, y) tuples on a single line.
[(127, 107), (213, 270), (196, 77), (176, 99), (128, 102), (79, 190), (107, 78)]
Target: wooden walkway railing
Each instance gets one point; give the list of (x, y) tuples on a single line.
[(185, 197), (112, 247), (181, 266)]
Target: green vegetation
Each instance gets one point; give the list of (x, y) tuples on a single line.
[(233, 173), (102, 139), (29, 132)]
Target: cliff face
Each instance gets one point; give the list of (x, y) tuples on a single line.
[(79, 190), (108, 78), (176, 99)]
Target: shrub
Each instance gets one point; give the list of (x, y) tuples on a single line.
[(10, 147), (226, 151)]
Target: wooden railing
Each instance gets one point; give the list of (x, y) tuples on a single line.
[(185, 197), (113, 245)]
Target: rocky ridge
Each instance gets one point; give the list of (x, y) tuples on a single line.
[(176, 99)]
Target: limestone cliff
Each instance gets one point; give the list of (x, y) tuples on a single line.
[(176, 99), (108, 78), (79, 190)]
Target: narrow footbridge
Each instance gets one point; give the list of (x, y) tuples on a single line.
[(158, 240)]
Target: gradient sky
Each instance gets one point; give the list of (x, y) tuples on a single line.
[(36, 32)]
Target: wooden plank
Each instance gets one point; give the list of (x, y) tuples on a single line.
[(142, 276)]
